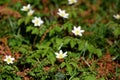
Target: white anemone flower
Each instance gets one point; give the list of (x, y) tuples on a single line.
[(37, 21), (61, 55), (77, 31), (26, 8), (62, 13), (30, 12), (9, 59), (117, 16), (72, 1)]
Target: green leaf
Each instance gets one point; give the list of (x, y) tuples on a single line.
[(20, 21), (69, 68), (94, 50), (91, 48), (102, 78), (32, 73), (30, 60), (68, 26), (8, 68), (35, 31), (51, 57), (72, 43), (81, 45), (98, 52), (51, 32), (62, 64), (57, 29), (74, 64), (66, 40), (22, 50), (27, 20), (75, 79), (59, 76), (29, 28), (17, 78), (58, 42), (117, 31), (90, 77)]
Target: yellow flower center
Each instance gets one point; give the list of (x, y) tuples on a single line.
[(30, 13), (60, 55), (8, 60), (26, 8), (37, 21), (62, 14), (77, 32), (72, 1), (118, 17)]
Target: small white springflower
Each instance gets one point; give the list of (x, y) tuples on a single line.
[(26, 8), (77, 31), (72, 1), (9, 59), (61, 55), (62, 13), (37, 21), (30, 12), (117, 16)]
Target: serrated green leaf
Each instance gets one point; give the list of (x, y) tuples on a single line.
[(51, 32), (72, 43), (117, 31), (51, 57), (91, 48), (66, 40), (29, 28), (75, 79), (8, 68), (81, 45), (57, 29), (35, 31), (62, 64), (68, 26), (90, 77), (74, 64), (102, 78), (27, 20), (69, 68), (60, 76), (98, 52), (58, 41), (20, 21)]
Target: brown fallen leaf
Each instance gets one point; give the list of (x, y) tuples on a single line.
[(22, 74), (6, 11)]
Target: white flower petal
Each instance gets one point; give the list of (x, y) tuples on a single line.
[(56, 53), (75, 28), (12, 59), (82, 31), (37, 21), (30, 12), (72, 1), (60, 52), (9, 60), (117, 16), (79, 27), (62, 13), (77, 31), (65, 53), (26, 8), (61, 55)]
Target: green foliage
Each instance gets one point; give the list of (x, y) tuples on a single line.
[(5, 1), (117, 31), (34, 47)]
